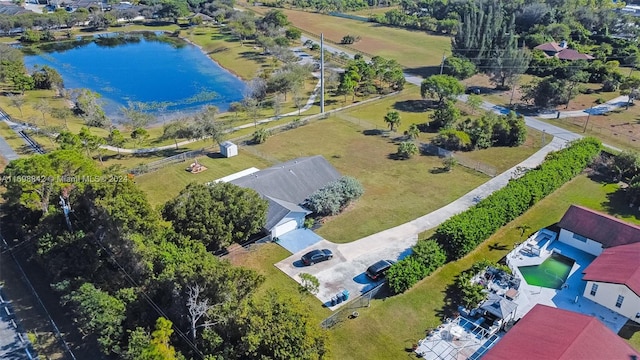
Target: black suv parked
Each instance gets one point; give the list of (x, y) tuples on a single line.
[(377, 270)]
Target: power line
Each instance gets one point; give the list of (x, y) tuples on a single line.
[(141, 291)]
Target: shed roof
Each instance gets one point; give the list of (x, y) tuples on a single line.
[(605, 229), (617, 265), (554, 334)]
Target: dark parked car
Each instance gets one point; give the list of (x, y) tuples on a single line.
[(377, 270), (473, 90), (316, 256)]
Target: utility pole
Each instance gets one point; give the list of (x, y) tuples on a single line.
[(322, 73), (587, 122), (444, 56)]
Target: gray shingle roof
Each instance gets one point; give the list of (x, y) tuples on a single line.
[(287, 185), (292, 181)]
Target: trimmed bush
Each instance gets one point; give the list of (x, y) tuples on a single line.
[(335, 196), (464, 232), (427, 256), (405, 273)]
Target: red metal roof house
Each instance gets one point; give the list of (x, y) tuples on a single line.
[(554, 334)]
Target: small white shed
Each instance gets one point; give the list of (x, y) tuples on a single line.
[(228, 149)]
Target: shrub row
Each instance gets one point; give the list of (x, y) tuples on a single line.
[(464, 232), (427, 256)]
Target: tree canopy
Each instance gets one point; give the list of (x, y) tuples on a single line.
[(217, 214)]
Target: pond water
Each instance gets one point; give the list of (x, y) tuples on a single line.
[(165, 74)]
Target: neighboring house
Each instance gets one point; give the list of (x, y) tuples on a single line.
[(562, 52), (554, 334), (613, 280), (592, 232), (285, 187)]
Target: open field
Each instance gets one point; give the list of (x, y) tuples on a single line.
[(388, 328), (397, 190), (166, 183), (261, 257), (619, 128), (373, 10), (416, 50)]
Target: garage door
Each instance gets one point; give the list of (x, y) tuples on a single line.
[(284, 228)]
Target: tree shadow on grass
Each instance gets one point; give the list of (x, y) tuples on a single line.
[(424, 71), (414, 106), (452, 299), (617, 204), (498, 246)]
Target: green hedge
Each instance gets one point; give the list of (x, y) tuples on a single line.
[(462, 233), (427, 256)]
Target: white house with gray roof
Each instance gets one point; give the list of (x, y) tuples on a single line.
[(286, 186)]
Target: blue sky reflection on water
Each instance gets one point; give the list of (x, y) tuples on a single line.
[(144, 69)]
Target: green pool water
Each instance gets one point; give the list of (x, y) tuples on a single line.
[(550, 274)]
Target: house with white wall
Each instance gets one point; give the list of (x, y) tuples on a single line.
[(613, 280), (286, 186), (592, 231)]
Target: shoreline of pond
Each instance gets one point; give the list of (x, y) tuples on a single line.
[(159, 118)]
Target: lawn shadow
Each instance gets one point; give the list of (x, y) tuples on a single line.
[(497, 246), (424, 71), (617, 204), (373, 132), (452, 298), (438, 170), (629, 330), (414, 106), (215, 155)]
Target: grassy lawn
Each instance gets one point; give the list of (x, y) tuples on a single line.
[(619, 128), (242, 60), (390, 326), (416, 50), (167, 182), (373, 10), (261, 258), (397, 190)]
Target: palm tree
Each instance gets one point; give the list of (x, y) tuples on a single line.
[(406, 149), (413, 132), (393, 119)]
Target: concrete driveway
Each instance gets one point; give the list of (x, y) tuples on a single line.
[(346, 269)]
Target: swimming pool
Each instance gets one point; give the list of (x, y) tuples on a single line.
[(550, 274)]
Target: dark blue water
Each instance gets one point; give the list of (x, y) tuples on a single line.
[(165, 73)]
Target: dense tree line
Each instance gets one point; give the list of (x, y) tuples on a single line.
[(115, 260), (462, 233), (377, 76)]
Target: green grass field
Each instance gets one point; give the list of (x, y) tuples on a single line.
[(398, 191), (416, 50), (390, 326), (166, 183)]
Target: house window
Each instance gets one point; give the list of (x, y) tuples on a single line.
[(594, 289), (579, 237), (619, 301)]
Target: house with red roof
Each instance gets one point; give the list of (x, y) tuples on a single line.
[(554, 334), (592, 231), (613, 280), (562, 52)]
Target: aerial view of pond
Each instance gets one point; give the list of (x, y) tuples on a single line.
[(166, 74)]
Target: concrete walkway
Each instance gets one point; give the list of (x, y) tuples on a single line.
[(346, 270)]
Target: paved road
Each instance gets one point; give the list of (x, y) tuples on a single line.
[(5, 150)]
